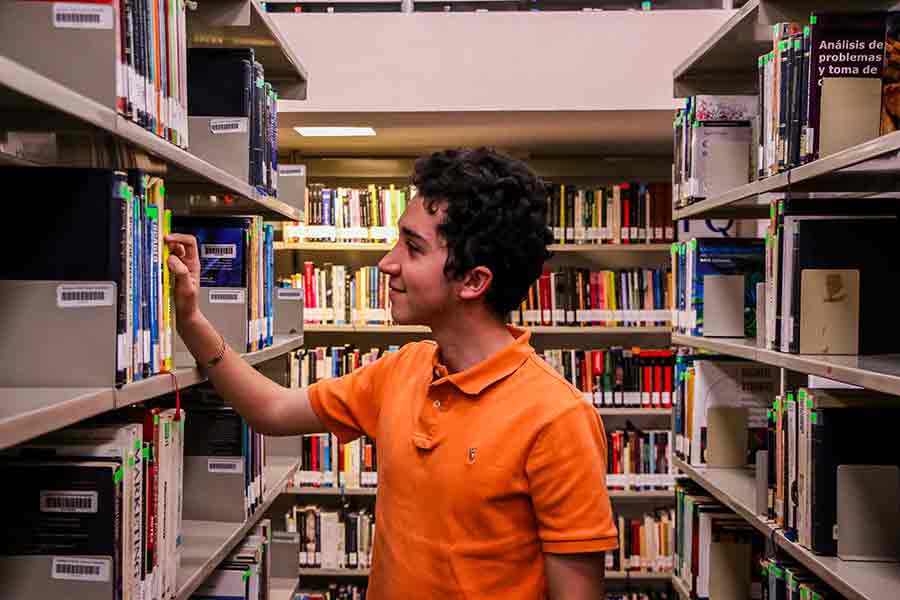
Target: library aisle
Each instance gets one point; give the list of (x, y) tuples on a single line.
[(721, 182)]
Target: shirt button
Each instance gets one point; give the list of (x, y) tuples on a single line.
[(437, 403)]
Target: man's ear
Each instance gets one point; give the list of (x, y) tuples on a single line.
[(475, 284)]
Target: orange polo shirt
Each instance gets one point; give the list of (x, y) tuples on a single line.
[(479, 472)]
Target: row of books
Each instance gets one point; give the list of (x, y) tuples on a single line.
[(720, 409), (333, 539), (152, 73), (223, 453), (646, 543), (335, 294), (326, 462), (712, 138), (105, 232), (827, 85), (309, 365), (581, 297), (715, 549), (649, 595), (618, 376), (817, 462), (627, 213), (639, 460), (350, 214), (815, 289), (334, 591), (228, 85), (244, 573), (98, 505), (237, 252), (715, 286)]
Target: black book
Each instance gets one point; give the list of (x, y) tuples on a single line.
[(220, 82), (257, 127), (83, 217), (784, 80), (797, 87), (216, 431)]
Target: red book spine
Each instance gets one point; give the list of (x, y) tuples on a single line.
[(657, 382), (314, 459), (308, 273), (667, 386), (544, 288), (648, 381), (626, 213)]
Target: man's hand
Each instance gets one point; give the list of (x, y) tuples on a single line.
[(184, 264), (575, 576)]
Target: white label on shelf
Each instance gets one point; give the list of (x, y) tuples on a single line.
[(570, 316), (635, 234), (223, 126), (368, 478), (616, 480), (290, 294), (618, 315), (559, 316), (80, 296), (318, 314), (532, 315), (80, 569), (65, 501), (303, 477), (667, 397), (658, 232), (329, 477), (632, 398), (381, 233), (225, 465), (548, 315), (291, 170), (318, 231), (580, 233), (353, 233), (593, 233), (226, 296), (693, 319), (558, 233), (604, 233), (670, 233), (588, 397), (218, 250), (77, 15), (372, 314), (582, 316), (570, 233)]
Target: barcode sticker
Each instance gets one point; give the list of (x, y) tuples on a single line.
[(80, 296), (220, 126), (77, 15), (218, 250), (225, 465), (290, 294), (226, 296), (64, 501), (80, 569)]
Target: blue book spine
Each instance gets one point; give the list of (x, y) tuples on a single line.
[(145, 300), (153, 218), (270, 283), (136, 339)]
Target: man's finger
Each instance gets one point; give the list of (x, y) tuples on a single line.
[(177, 249), (188, 243), (179, 270)]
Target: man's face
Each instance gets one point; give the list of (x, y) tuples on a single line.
[(420, 292)]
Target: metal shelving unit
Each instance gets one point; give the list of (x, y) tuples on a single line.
[(25, 93), (736, 488), (633, 412), (29, 412), (568, 330), (207, 543), (879, 372), (385, 247), (335, 491), (312, 572)]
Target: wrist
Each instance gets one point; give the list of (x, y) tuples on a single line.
[(190, 323)]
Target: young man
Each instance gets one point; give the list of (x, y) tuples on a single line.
[(491, 466)]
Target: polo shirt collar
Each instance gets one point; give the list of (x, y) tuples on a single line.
[(499, 365)]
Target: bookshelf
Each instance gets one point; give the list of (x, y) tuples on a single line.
[(589, 249), (541, 329), (26, 94), (855, 580), (29, 412), (207, 543), (633, 412), (336, 491), (880, 373), (610, 575)]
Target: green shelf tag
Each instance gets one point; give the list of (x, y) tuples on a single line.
[(694, 244), (646, 5), (137, 445), (806, 31), (797, 44), (802, 394), (156, 419), (247, 574), (813, 19), (118, 475), (814, 417), (146, 453), (790, 396), (130, 461)]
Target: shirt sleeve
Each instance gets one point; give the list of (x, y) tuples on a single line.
[(349, 406), (566, 471)]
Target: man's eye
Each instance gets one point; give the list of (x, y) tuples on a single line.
[(412, 247)]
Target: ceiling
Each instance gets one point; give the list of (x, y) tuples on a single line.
[(525, 134)]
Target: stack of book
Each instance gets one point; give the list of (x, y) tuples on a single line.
[(332, 539), (813, 432), (244, 574), (580, 297), (715, 286), (309, 365), (228, 86), (106, 229), (237, 253), (628, 213), (646, 543), (815, 288), (325, 462), (335, 294), (98, 509), (716, 551), (342, 214), (720, 409), (713, 136), (649, 595), (639, 460), (618, 376)]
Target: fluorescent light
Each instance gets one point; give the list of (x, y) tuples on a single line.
[(334, 131)]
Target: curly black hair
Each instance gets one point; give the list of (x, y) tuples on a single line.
[(496, 216)]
